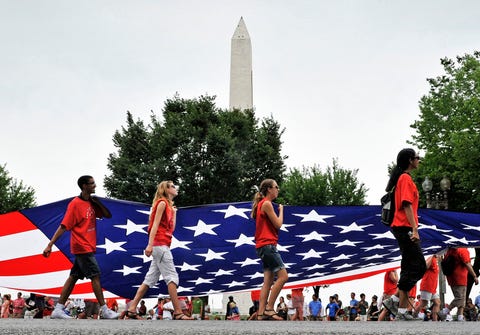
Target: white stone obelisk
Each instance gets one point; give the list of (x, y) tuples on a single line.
[(241, 80)]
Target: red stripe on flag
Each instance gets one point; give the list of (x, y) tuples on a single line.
[(13, 223), (36, 264)]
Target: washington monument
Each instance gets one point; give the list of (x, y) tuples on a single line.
[(241, 90)]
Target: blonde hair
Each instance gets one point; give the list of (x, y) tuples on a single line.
[(261, 193), (162, 192)]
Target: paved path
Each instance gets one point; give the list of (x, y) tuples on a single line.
[(134, 327)]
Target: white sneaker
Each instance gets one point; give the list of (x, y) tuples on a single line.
[(59, 314), (108, 314)]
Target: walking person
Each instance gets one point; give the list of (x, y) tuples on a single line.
[(80, 220), (405, 229), (458, 280), (267, 225), (160, 231), (428, 289)]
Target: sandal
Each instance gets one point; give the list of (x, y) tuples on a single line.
[(181, 316), (272, 315), (132, 315)]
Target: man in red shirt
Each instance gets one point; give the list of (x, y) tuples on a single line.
[(458, 279), (80, 220), (428, 288)]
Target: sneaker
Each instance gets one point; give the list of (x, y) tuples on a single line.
[(59, 314), (391, 305), (442, 316), (108, 314), (404, 317)]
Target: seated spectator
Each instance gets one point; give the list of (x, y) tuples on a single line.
[(373, 310)]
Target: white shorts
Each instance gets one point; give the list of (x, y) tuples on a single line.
[(428, 296), (162, 264)]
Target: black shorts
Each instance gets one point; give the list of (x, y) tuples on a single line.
[(85, 266)]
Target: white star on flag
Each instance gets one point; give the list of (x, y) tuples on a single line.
[(283, 248), (312, 254), (187, 267), (200, 280), (374, 247), (235, 283), (345, 243), (313, 236), (454, 240), (184, 289), (143, 257), (131, 227), (255, 275), (316, 274), (203, 228), (179, 244), (110, 246), (222, 273), (128, 270), (210, 255), (340, 257), (285, 227), (387, 234), (241, 240), (376, 256), (466, 227), (344, 266), (232, 211), (247, 261), (353, 227), (316, 266), (314, 216)]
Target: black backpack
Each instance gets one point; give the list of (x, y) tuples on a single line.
[(388, 207), (448, 265)]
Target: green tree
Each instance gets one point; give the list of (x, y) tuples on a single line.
[(14, 195), (449, 131), (214, 155), (312, 187)]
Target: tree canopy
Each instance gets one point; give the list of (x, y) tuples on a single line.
[(214, 155), (14, 195), (313, 187), (449, 130)]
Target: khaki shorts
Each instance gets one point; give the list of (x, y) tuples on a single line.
[(459, 293)]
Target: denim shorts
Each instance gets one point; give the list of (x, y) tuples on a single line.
[(85, 266), (271, 259)]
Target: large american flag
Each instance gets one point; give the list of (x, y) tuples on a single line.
[(214, 247)]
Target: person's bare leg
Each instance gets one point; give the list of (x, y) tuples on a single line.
[(67, 289), (177, 310), (138, 296), (282, 278), (265, 291)]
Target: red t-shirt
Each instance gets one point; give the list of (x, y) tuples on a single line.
[(165, 227), (389, 286), (429, 281), (80, 219), (405, 191), (265, 232), (460, 273)]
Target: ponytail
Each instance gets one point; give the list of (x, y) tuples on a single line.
[(261, 193)]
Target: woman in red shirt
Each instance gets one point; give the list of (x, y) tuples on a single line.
[(405, 227), (160, 231), (267, 224)]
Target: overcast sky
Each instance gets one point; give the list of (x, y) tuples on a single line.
[(343, 77)]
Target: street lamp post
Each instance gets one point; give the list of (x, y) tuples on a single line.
[(437, 201)]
